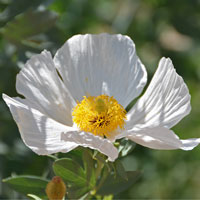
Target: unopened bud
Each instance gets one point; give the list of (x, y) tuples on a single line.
[(56, 189)]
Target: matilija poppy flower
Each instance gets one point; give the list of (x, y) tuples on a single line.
[(78, 98)]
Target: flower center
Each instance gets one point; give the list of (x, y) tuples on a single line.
[(100, 115)]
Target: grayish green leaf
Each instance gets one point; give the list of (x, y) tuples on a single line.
[(28, 24), (120, 170), (126, 146), (115, 185), (70, 171), (28, 185), (89, 168)]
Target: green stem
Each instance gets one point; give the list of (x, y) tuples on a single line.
[(105, 174), (53, 157), (99, 168)]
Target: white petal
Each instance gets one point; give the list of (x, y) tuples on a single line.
[(159, 138), (46, 136), (95, 64), (39, 82), (93, 142), (165, 102), (39, 133), (189, 144)]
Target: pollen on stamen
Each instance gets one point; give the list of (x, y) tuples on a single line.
[(100, 115)]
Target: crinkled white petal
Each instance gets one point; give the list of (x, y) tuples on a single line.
[(159, 138), (46, 136), (189, 144), (94, 142), (40, 84), (165, 102), (96, 64), (39, 133)]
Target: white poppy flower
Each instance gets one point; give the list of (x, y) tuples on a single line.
[(78, 98)]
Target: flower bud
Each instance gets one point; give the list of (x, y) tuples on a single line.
[(56, 189)]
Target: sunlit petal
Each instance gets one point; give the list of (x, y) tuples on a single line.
[(165, 102), (39, 132), (94, 142), (159, 138), (39, 82), (96, 64)]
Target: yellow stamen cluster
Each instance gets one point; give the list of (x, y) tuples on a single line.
[(99, 115)]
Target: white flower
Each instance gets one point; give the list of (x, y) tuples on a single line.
[(96, 68)]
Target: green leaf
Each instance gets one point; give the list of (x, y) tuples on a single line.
[(28, 185), (98, 156), (108, 197), (79, 180), (120, 170), (16, 7), (28, 24), (70, 171), (101, 160), (115, 185), (126, 146), (75, 154), (89, 168), (75, 192)]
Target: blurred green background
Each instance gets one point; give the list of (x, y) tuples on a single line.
[(158, 28)]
